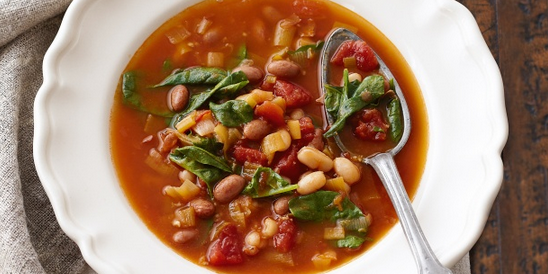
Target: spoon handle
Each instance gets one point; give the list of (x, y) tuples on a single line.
[(426, 260)]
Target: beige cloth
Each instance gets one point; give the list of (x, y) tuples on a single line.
[(31, 240)]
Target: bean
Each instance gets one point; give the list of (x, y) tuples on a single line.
[(256, 129), (314, 159), (281, 205), (354, 76), (253, 238), (283, 68), (347, 170), (203, 208), (167, 142), (317, 141), (185, 235), (270, 227), (228, 188), (254, 74), (311, 183), (297, 114), (212, 36), (178, 98)]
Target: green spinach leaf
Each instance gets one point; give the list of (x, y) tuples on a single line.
[(266, 182), (395, 118), (208, 144), (204, 164), (355, 99), (319, 206), (350, 241), (232, 113), (194, 76), (134, 99), (226, 88)]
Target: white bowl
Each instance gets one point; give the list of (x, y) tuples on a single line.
[(440, 40)]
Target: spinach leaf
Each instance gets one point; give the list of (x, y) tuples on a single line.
[(350, 241), (131, 97), (395, 118), (266, 182), (357, 98), (209, 144), (319, 206), (240, 56), (232, 113), (194, 76), (204, 164), (332, 100), (201, 155), (226, 88)]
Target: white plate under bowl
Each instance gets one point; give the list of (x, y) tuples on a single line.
[(440, 40)]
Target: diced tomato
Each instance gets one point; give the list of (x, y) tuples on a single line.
[(287, 164), (244, 154), (271, 112), (227, 248), (309, 9), (286, 237), (295, 96), (369, 124), (365, 57), (307, 126)]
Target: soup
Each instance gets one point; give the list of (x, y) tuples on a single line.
[(219, 138)]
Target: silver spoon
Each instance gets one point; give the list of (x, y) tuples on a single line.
[(384, 164)]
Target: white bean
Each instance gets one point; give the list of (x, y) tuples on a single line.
[(354, 76), (270, 227), (314, 159), (347, 170), (311, 183)]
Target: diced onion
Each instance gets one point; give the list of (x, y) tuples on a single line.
[(204, 127), (157, 162), (177, 35), (203, 26), (185, 217), (215, 59), (333, 233), (186, 192), (360, 224)]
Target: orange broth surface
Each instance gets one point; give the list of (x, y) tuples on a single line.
[(133, 133)]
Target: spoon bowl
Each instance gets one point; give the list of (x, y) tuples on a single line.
[(383, 162)]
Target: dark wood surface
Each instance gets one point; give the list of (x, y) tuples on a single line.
[(515, 239)]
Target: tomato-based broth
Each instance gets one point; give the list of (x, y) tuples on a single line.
[(220, 144)]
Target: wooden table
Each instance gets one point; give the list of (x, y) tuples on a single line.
[(515, 239)]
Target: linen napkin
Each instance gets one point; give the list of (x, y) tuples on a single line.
[(31, 240)]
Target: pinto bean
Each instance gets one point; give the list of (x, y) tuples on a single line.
[(167, 142), (178, 98), (212, 36), (284, 68), (281, 205), (317, 141), (253, 73), (184, 235), (203, 208), (256, 129), (228, 188)]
